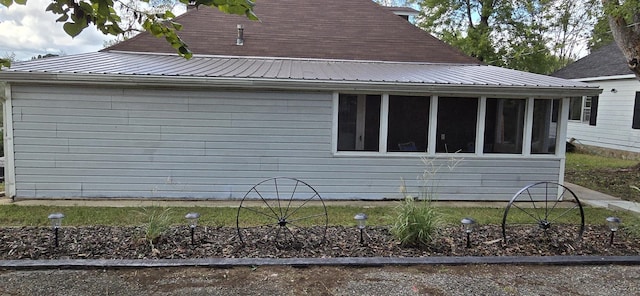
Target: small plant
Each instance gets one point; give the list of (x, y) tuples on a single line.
[(415, 222), (158, 221)]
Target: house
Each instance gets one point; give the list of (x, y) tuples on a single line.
[(612, 119), (343, 94)]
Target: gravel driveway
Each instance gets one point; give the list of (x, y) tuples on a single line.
[(280, 280)]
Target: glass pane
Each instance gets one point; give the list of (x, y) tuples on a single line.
[(504, 124), (408, 123), (456, 131), (358, 122), (545, 128), (575, 108)]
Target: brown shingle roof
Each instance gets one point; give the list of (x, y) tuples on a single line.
[(325, 29)]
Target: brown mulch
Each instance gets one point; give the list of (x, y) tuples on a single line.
[(107, 242)]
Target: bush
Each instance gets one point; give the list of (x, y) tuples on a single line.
[(415, 222), (158, 222)]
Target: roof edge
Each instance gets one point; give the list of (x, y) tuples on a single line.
[(308, 85), (600, 78)]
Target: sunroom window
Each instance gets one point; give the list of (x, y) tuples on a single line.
[(408, 126), (545, 126), (358, 122), (456, 130), (504, 125)]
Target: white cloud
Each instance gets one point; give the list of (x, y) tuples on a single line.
[(29, 30)]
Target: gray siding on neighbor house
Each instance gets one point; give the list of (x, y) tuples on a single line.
[(95, 142)]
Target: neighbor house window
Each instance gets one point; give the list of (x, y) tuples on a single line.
[(583, 109), (358, 122), (635, 124), (456, 130), (504, 125), (408, 126), (545, 126)]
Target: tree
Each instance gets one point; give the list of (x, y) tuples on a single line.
[(532, 35), (77, 15), (624, 21), (601, 34)]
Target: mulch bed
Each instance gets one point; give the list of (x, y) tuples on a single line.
[(107, 242)]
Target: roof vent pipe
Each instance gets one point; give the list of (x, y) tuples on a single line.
[(240, 39)]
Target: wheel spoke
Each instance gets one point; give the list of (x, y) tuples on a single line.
[(546, 198), (261, 213), (275, 181), (564, 213), (293, 193), (534, 205), (528, 214), (266, 203), (558, 200), (305, 218), (302, 205)]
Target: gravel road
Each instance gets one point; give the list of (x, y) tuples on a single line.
[(280, 280)]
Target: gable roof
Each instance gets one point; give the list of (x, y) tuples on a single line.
[(322, 29), (606, 61)]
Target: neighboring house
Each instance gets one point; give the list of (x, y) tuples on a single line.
[(342, 94), (612, 119)]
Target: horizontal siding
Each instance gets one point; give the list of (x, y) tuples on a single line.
[(615, 114), (142, 143)]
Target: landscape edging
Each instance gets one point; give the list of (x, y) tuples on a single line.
[(305, 262)]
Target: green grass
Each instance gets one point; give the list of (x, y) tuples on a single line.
[(13, 215), (585, 162)]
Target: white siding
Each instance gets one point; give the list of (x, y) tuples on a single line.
[(615, 114), (144, 143)]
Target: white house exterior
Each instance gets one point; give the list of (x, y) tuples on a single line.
[(613, 122), (133, 124)]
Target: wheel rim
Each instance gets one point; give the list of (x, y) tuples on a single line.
[(545, 206), (284, 212)]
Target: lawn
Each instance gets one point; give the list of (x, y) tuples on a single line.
[(612, 176)]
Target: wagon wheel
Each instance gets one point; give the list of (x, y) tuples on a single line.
[(544, 205), (284, 212)]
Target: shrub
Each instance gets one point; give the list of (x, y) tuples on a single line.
[(158, 222), (415, 223)]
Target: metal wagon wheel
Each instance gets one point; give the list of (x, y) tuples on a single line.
[(285, 212), (543, 205)]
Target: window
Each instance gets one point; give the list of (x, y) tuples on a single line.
[(636, 112), (408, 126), (358, 122), (584, 109), (545, 126), (504, 125), (456, 130)]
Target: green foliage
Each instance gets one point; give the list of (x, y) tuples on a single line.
[(539, 36), (415, 223), (601, 34), (158, 221), (78, 15)]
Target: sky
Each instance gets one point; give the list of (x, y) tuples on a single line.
[(28, 31)]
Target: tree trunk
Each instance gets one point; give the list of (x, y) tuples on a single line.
[(627, 37)]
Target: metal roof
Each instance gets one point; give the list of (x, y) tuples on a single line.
[(103, 66)]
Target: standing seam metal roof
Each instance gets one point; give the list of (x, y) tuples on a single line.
[(138, 64)]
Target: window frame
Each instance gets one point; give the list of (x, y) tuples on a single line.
[(432, 128)]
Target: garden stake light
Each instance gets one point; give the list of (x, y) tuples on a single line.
[(361, 218), (192, 219), (468, 225), (613, 223), (56, 221)]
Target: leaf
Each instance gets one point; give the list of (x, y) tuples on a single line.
[(63, 18), (5, 63), (73, 29), (6, 3)]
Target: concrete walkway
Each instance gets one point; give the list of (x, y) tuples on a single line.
[(586, 196)]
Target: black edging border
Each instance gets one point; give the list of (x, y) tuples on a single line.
[(307, 262)]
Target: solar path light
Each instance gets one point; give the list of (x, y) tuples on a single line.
[(468, 224), (613, 223), (361, 219), (192, 219), (56, 221)]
